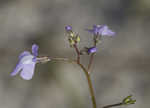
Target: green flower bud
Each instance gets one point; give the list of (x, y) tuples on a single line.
[(128, 100), (72, 34), (77, 39), (71, 41)]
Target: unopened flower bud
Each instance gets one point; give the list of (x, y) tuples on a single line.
[(68, 28), (92, 50)]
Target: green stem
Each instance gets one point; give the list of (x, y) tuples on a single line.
[(89, 84), (78, 53), (113, 105), (63, 60), (92, 55), (90, 61)]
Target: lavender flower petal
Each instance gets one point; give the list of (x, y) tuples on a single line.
[(106, 31), (27, 59), (101, 30), (35, 49), (25, 53), (27, 62), (17, 69), (97, 29), (68, 28), (27, 71), (92, 50)]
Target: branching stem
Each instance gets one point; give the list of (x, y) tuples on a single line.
[(86, 74), (89, 84)]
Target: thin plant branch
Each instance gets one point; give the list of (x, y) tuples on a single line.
[(92, 55), (78, 52), (113, 105), (90, 61), (126, 101)]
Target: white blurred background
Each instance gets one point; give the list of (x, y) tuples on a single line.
[(121, 65)]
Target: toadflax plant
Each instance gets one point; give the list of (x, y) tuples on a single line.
[(27, 61)]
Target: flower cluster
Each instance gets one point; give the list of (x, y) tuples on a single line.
[(97, 31), (73, 38), (27, 61)]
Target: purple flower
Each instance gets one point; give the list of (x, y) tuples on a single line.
[(68, 28), (101, 30), (26, 64), (92, 50)]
